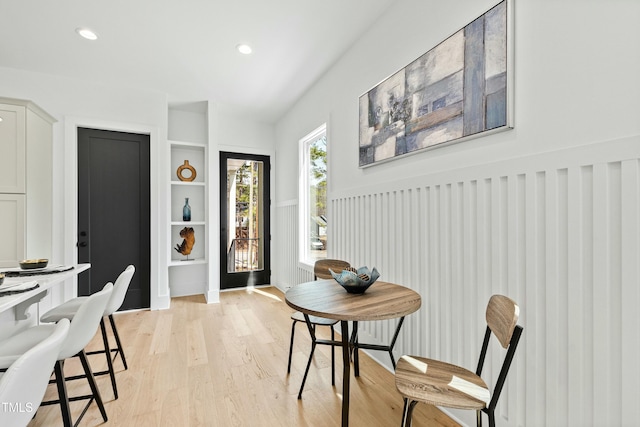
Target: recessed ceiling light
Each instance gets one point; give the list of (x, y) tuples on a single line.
[(244, 49), (87, 33)]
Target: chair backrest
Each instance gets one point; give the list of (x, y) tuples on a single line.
[(502, 318), (85, 322), (25, 382), (322, 266), (120, 287)]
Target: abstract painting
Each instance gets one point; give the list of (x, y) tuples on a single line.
[(457, 90)]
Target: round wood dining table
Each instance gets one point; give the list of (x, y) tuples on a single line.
[(326, 298)]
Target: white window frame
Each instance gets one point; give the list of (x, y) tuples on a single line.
[(304, 216)]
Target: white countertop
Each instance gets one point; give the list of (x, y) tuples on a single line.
[(45, 282)]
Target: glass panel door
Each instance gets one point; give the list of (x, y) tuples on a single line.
[(244, 220)]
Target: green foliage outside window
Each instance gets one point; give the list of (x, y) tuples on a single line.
[(318, 155)]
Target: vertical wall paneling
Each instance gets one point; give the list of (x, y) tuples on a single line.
[(551, 315), (602, 297), (286, 269), (559, 233), (575, 280), (630, 262), (615, 280)]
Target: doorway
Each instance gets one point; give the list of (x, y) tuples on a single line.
[(114, 211), (245, 236)]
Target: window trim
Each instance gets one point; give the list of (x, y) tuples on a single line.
[(303, 194)]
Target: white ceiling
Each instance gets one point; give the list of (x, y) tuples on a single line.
[(186, 48)]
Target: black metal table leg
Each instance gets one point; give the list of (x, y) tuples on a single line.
[(388, 348), (346, 379), (356, 356), (312, 332)]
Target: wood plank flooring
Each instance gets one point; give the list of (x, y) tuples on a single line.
[(225, 364)]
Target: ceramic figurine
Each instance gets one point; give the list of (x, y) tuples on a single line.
[(188, 241)]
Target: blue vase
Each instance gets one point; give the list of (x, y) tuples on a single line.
[(186, 210)]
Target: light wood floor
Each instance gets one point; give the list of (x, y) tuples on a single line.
[(225, 364)]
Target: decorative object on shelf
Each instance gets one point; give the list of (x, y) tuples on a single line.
[(29, 264), (186, 210), (188, 241), (356, 281), (188, 167), (460, 89)]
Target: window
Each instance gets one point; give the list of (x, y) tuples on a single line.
[(313, 196)]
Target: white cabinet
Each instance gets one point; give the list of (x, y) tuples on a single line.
[(26, 173), (11, 229), (12, 149), (188, 273)]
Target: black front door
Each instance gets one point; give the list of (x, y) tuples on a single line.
[(114, 211), (245, 236)]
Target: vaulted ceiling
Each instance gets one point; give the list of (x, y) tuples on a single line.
[(187, 48)]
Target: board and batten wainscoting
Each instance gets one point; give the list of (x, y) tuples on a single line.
[(287, 269), (557, 232)]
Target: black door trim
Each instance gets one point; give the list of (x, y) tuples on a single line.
[(243, 279)]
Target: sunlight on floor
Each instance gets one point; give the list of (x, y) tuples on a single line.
[(251, 290)]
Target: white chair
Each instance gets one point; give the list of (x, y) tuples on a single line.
[(83, 327), (24, 383), (69, 309)]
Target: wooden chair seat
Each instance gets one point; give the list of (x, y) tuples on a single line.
[(440, 383), (299, 317)]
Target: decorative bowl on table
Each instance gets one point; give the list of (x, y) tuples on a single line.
[(30, 264), (356, 281)]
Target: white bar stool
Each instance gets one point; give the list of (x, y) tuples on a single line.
[(68, 310), (83, 328), (24, 383)]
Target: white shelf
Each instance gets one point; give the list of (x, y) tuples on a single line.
[(187, 183), (186, 223), (188, 277), (181, 263)]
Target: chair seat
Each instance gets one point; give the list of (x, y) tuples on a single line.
[(16, 345), (64, 311), (440, 383), (299, 317)]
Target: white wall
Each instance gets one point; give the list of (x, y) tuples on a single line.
[(238, 134), (575, 83), (546, 212), (73, 103)]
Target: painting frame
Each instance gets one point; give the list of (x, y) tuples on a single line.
[(460, 89)]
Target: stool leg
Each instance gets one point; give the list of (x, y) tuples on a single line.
[(410, 412), (92, 383), (293, 331), (107, 351), (62, 394), (119, 344)]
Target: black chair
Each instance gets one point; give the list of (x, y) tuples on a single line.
[(320, 271)]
